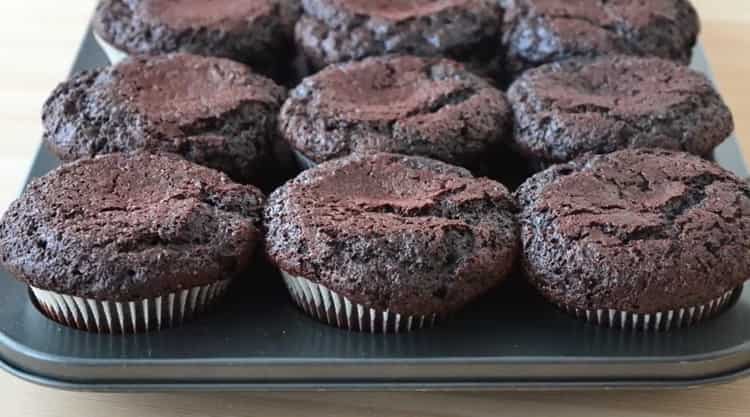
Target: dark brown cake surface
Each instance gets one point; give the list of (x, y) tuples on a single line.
[(128, 226), (212, 111), (334, 31), (536, 32), (406, 234), (642, 231), (564, 110), (186, 14), (256, 32), (429, 107), (391, 10)]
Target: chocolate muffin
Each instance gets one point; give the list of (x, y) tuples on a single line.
[(128, 242), (640, 238), (334, 31), (430, 107), (256, 32), (566, 109), (212, 111), (542, 31), (388, 243)]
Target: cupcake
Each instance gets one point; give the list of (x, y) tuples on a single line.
[(430, 107), (639, 238), (130, 242), (537, 32), (212, 111), (258, 33), (332, 31), (566, 109), (389, 243)]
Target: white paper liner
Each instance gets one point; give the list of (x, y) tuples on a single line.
[(129, 316), (115, 55), (303, 161), (336, 310), (661, 321)]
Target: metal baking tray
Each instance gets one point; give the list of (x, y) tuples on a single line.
[(511, 339)]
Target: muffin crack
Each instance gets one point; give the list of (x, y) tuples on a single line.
[(670, 212), (155, 240), (452, 98), (677, 206)]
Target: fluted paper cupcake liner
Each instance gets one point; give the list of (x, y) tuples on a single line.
[(660, 321), (303, 161), (128, 316), (336, 310), (115, 55)]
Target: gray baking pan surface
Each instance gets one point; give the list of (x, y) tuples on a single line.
[(511, 339)]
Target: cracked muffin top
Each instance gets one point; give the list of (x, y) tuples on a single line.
[(123, 227), (637, 230), (429, 107), (212, 111), (406, 234), (333, 31), (256, 32), (563, 110), (542, 31)]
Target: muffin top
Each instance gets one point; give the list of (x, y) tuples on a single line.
[(342, 30), (183, 89), (389, 10), (132, 24), (566, 109), (185, 14), (256, 32), (406, 234), (123, 227), (542, 31), (213, 111), (638, 230), (403, 104)]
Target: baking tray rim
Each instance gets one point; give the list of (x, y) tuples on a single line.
[(734, 364), (350, 386)]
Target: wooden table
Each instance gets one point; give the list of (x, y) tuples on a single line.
[(38, 42)]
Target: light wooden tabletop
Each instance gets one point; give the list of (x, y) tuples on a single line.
[(38, 40)]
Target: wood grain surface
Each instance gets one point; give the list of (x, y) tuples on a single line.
[(38, 40)]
